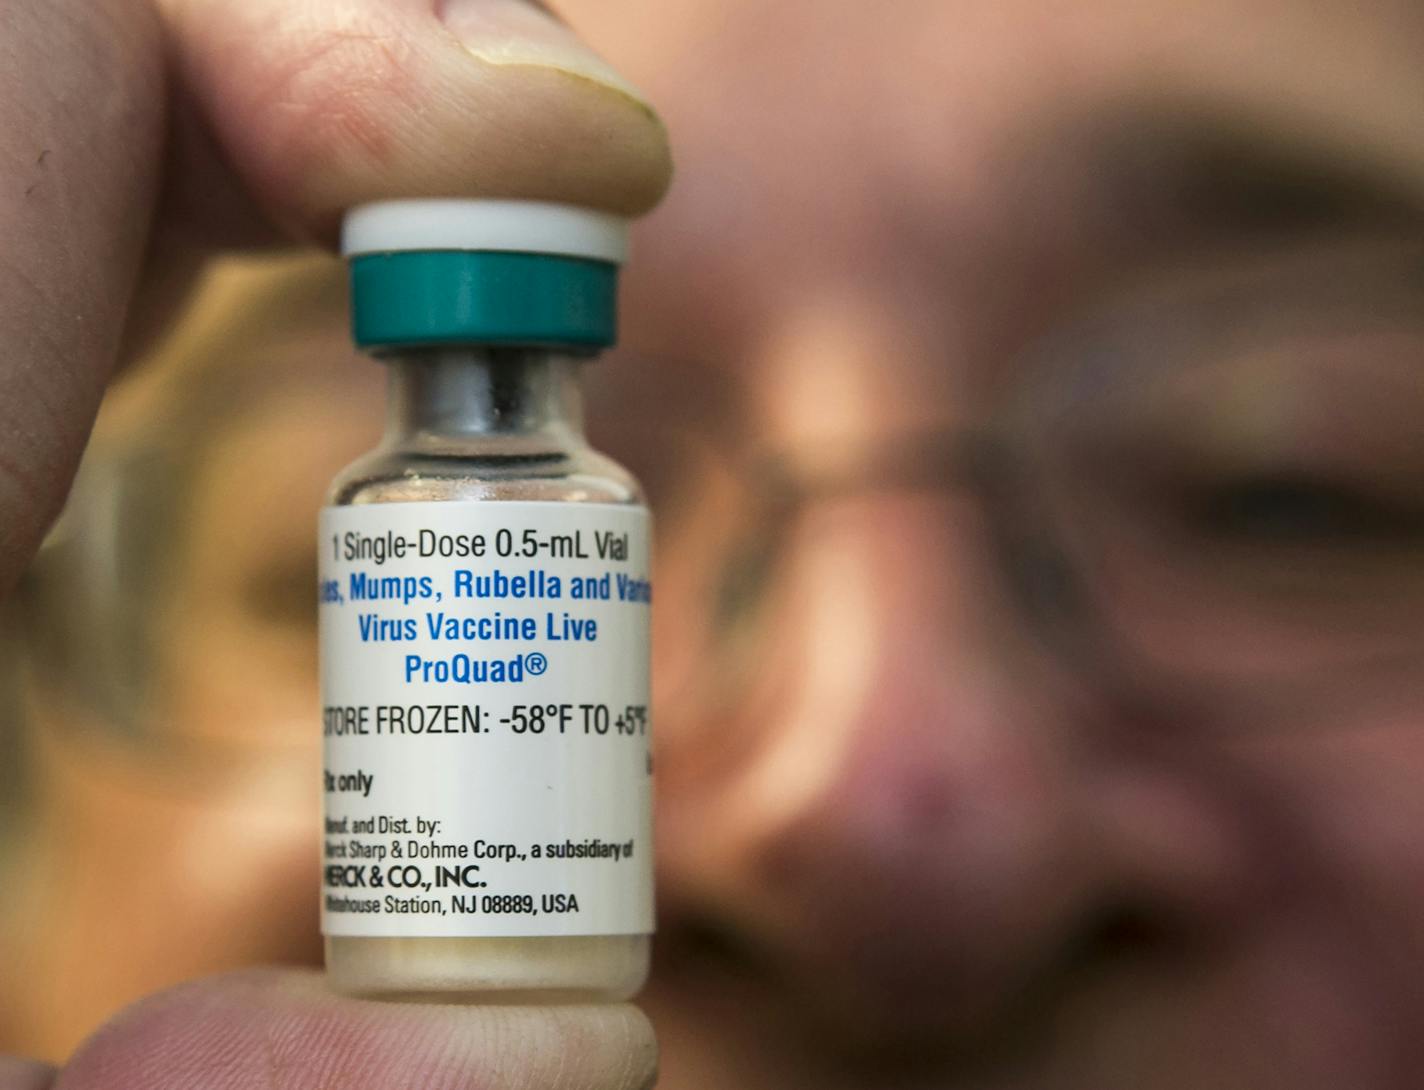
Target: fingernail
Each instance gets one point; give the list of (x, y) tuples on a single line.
[(519, 32)]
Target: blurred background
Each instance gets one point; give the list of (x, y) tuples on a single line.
[(1030, 396)]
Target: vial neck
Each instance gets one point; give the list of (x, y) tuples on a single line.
[(467, 392)]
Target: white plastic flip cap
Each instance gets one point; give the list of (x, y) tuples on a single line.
[(532, 227)]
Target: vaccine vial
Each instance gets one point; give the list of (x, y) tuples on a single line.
[(485, 590)]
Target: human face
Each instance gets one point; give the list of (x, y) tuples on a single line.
[(913, 846)]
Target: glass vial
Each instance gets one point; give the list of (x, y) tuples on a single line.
[(485, 591)]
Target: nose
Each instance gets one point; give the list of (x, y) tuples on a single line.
[(911, 814), (900, 825)]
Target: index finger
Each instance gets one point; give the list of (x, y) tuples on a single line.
[(320, 105)]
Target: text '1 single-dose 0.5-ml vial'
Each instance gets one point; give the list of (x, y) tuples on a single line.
[(485, 592)]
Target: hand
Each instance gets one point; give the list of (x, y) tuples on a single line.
[(273, 1029), (135, 139)]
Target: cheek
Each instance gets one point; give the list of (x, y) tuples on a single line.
[(241, 703), (231, 677), (1357, 788), (237, 643)]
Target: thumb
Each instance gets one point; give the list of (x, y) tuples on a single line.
[(319, 105), (284, 111), (282, 1030)]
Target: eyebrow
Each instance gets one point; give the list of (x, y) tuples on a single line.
[(1206, 174)]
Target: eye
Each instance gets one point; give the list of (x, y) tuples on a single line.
[(1297, 509), (282, 592), (744, 580)]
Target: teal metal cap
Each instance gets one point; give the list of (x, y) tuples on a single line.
[(481, 297), (436, 272)]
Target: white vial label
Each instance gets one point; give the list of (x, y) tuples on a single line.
[(484, 673)]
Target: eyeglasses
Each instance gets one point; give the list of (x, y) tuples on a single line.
[(1208, 499)]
